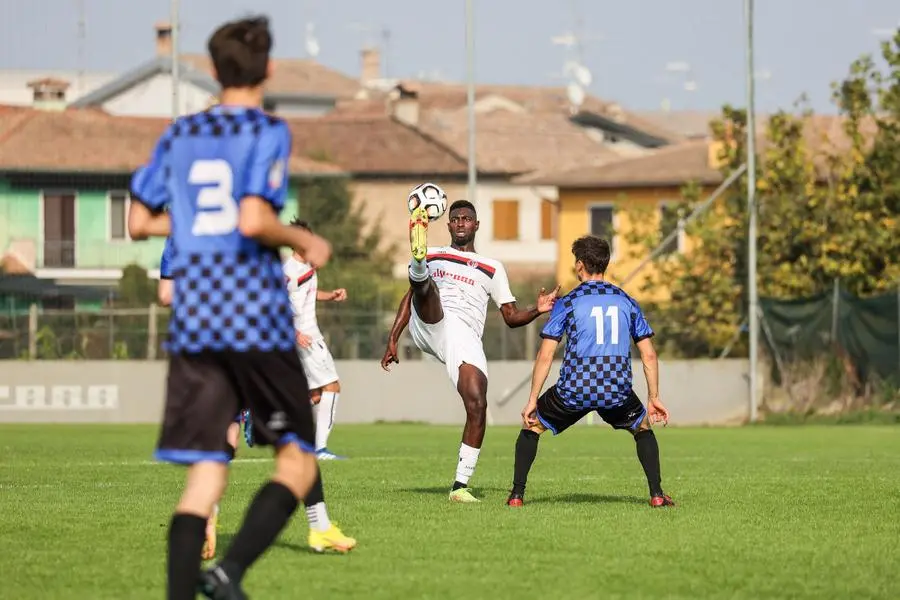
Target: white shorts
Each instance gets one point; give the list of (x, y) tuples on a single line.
[(318, 364), (450, 341)]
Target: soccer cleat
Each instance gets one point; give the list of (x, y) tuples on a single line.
[(247, 420), (418, 233), (463, 495), (216, 585), (325, 454), (515, 500), (209, 546), (331, 539), (660, 501)]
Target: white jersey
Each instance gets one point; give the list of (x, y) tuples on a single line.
[(302, 285), (467, 281)]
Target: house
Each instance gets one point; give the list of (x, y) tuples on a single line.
[(297, 87), (64, 180), (18, 87)]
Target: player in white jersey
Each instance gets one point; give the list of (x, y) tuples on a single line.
[(325, 387), (446, 306)]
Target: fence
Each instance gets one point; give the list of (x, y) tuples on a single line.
[(121, 334)]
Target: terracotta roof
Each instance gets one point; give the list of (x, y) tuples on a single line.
[(366, 144), (91, 141), (689, 161), (511, 142), (668, 166), (296, 77)]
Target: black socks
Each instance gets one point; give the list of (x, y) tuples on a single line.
[(526, 451), (648, 454), (186, 536)]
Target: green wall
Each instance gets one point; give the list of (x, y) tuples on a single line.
[(19, 215), (96, 250)]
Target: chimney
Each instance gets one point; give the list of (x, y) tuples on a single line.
[(371, 66), (163, 39), (49, 93), (405, 104)]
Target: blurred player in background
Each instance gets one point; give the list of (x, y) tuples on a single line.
[(222, 175), (599, 321), (446, 306), (325, 387)]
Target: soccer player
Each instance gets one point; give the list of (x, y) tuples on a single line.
[(164, 295), (599, 321), (446, 307), (325, 387), (222, 174)]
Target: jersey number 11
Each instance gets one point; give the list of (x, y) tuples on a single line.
[(612, 312)]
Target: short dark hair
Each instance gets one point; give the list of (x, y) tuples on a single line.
[(240, 52), (593, 252), (462, 204), (298, 222)]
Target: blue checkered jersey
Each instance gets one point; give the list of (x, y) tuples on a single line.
[(228, 292), (165, 261), (599, 321)]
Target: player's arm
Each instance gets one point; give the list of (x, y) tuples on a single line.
[(266, 192), (651, 367), (552, 333), (338, 295), (404, 311), (513, 316), (150, 195), (641, 333)]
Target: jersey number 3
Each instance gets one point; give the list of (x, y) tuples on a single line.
[(217, 210), (612, 312)]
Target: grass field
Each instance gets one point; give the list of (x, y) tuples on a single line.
[(762, 513)]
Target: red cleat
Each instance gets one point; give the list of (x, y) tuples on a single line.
[(660, 501), (515, 500)]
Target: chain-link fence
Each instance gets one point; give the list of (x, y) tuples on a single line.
[(140, 334)]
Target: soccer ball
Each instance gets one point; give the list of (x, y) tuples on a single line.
[(429, 196)]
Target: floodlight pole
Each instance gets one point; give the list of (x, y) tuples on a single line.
[(470, 100), (752, 293), (174, 19)]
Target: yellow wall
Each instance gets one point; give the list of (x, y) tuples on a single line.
[(574, 222)]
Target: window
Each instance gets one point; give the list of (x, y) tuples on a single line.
[(670, 219), (506, 220), (602, 224), (118, 215), (548, 220)]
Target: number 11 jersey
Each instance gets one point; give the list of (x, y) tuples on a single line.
[(228, 293), (599, 321)]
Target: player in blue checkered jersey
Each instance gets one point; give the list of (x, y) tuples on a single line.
[(216, 183), (599, 321)]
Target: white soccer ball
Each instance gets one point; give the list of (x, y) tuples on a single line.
[(431, 197)]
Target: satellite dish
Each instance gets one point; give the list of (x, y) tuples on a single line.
[(576, 94), (582, 75), (312, 44)]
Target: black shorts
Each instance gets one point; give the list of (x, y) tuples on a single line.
[(557, 417), (205, 391)]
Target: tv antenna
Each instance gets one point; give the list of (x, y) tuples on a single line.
[(574, 69), (311, 42), (375, 36)]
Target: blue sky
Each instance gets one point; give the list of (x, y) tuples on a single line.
[(804, 45)]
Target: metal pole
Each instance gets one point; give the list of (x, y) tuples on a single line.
[(751, 208), (176, 67), (470, 99)]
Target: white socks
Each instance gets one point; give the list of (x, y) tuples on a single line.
[(318, 517), (418, 270), (325, 418), (468, 458)]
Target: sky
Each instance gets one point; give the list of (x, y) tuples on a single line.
[(801, 46)]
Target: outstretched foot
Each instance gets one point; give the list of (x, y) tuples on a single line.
[(418, 233)]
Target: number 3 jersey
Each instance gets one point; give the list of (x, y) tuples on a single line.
[(228, 293), (599, 321)]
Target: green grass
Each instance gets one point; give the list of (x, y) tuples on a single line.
[(762, 513)]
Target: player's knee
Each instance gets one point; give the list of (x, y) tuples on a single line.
[(206, 482), (644, 425), (334, 387), (315, 396)]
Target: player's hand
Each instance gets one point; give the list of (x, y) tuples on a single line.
[(390, 356), (529, 414), (303, 340), (339, 295), (317, 251), (546, 300), (657, 412)]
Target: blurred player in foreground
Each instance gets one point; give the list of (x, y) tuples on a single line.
[(325, 387), (445, 307), (599, 321), (222, 175)]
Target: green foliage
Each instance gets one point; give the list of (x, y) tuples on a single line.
[(135, 289)]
